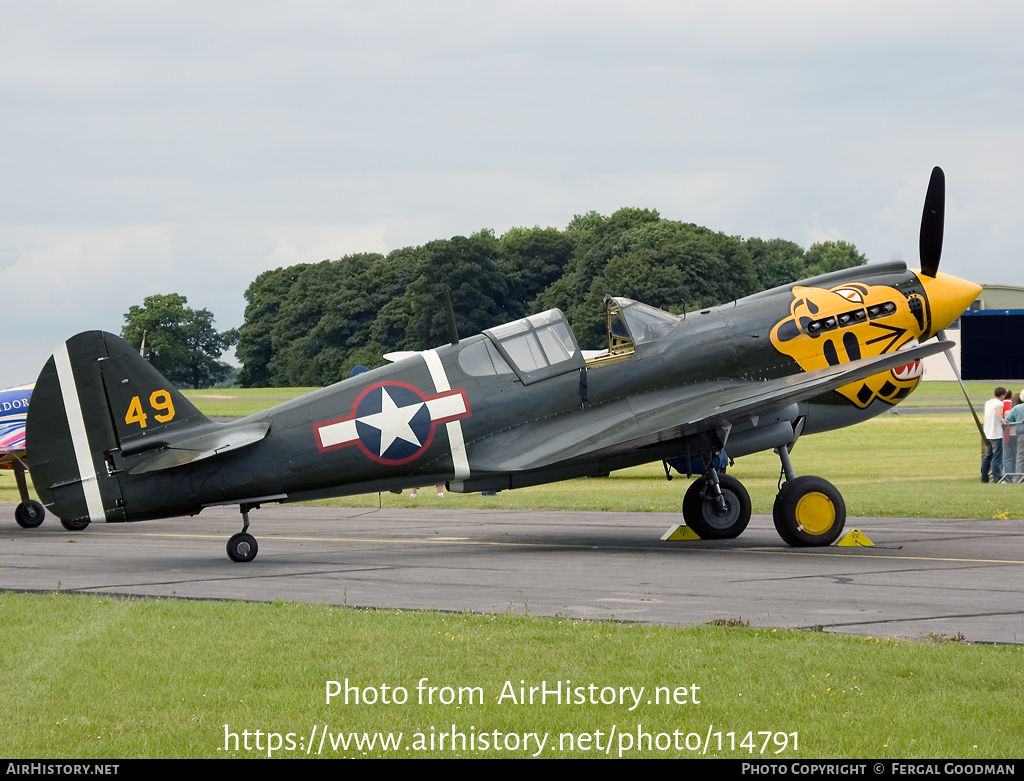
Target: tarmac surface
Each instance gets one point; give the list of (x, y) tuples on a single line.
[(922, 577)]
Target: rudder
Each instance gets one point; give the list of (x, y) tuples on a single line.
[(96, 399)]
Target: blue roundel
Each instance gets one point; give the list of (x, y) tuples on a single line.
[(401, 422)]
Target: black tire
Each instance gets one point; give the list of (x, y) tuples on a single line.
[(29, 514), (701, 513), (74, 526), (242, 547), (809, 512)]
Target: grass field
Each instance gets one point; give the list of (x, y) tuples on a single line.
[(894, 465), (238, 402), (83, 676), (949, 394), (910, 465)]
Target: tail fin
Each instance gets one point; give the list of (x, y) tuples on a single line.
[(96, 400)]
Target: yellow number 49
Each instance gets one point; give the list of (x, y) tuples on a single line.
[(159, 401)]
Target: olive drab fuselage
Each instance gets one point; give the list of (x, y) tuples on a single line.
[(110, 439), (518, 405)]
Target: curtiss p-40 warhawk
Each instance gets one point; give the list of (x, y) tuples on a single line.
[(110, 439)]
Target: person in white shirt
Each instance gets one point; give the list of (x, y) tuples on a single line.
[(993, 459)]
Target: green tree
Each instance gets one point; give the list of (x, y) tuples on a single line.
[(530, 260), (296, 345), (467, 268), (594, 239), (255, 347), (181, 343), (310, 324), (777, 261), (637, 254), (827, 256)]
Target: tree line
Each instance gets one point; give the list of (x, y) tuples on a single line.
[(311, 323), (180, 342)]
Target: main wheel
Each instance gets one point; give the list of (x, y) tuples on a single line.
[(809, 512), (74, 526), (29, 514), (242, 547), (702, 514)]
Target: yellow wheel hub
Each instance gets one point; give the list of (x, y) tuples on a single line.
[(815, 513)]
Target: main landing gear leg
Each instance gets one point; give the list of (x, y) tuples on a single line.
[(716, 507), (808, 511), (29, 514), (242, 546)]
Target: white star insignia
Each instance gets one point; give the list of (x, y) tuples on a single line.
[(393, 422)]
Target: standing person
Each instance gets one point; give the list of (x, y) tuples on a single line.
[(993, 460), (440, 491), (1009, 446), (1013, 458)]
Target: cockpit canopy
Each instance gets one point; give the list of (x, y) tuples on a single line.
[(543, 345), (631, 323), (535, 347)]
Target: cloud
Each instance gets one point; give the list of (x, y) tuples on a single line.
[(187, 147), (59, 280)]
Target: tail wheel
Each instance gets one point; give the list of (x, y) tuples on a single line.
[(242, 547), (809, 512), (29, 514), (702, 514)]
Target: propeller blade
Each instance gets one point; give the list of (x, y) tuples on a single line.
[(949, 356), (930, 245)]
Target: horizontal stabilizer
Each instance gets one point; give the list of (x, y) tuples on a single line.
[(204, 446)]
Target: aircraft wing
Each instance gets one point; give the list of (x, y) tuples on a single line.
[(666, 415), (12, 438)]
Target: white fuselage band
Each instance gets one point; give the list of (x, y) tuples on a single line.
[(79, 435), (441, 385)]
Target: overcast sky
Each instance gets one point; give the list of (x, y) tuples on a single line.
[(187, 146)]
